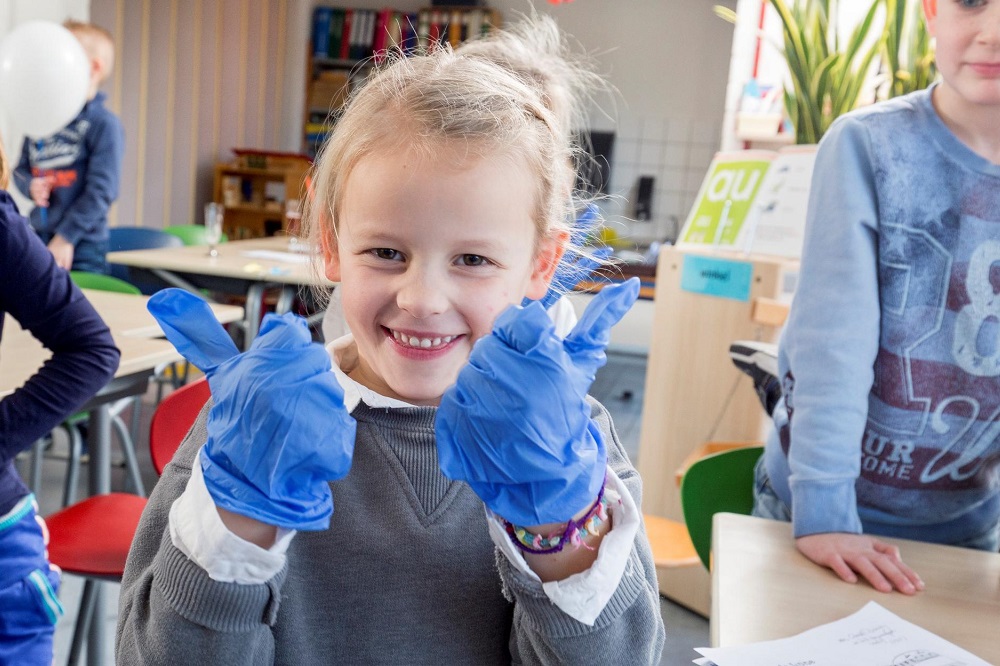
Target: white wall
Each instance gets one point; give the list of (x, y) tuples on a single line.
[(668, 59)]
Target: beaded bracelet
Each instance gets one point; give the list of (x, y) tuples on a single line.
[(573, 533)]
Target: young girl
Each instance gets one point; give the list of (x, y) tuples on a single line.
[(441, 204)]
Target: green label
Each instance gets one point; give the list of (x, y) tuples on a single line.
[(724, 202)]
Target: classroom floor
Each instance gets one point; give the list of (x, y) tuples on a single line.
[(619, 386)]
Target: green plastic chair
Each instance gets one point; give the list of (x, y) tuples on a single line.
[(713, 484), (191, 234), (103, 283)]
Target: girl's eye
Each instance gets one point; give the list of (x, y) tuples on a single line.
[(386, 253), (474, 260), (971, 4)]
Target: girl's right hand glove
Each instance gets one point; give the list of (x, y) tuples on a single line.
[(278, 430), (516, 425)]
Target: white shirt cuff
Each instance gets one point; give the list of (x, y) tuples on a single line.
[(197, 531), (584, 595)]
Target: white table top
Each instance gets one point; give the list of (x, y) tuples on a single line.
[(132, 327), (262, 259), (763, 588)]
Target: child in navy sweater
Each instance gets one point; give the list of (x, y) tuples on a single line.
[(44, 301)]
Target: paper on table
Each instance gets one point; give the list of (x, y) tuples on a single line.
[(871, 637), (273, 255)]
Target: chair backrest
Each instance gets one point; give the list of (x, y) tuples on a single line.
[(138, 238), (103, 282), (172, 419), (191, 234), (716, 483)]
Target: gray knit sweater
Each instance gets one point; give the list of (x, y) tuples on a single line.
[(406, 574)]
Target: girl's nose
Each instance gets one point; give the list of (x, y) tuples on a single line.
[(422, 293)]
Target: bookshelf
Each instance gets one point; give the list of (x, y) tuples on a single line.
[(258, 190), (347, 42)]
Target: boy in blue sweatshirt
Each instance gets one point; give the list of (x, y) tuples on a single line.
[(890, 362), (73, 175)]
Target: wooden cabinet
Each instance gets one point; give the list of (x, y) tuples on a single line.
[(260, 192), (694, 394)]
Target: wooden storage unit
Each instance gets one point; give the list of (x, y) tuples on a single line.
[(694, 393), (257, 189)]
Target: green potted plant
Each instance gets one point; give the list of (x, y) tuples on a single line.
[(829, 73), (908, 54)]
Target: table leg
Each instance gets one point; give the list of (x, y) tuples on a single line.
[(99, 445), (95, 637), (252, 309), (285, 299)]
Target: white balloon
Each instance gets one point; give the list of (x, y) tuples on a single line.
[(44, 77)]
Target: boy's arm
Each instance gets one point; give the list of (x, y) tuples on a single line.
[(831, 342), (106, 143)]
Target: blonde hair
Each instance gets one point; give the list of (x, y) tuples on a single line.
[(97, 43), (516, 93)]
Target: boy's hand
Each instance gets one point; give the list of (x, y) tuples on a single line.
[(516, 425), (40, 189), (851, 554), (278, 431), (62, 252)]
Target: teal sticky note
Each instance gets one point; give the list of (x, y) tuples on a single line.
[(717, 277)]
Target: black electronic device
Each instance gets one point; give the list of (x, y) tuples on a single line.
[(644, 199), (594, 164)]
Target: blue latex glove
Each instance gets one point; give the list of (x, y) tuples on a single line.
[(516, 425), (278, 430), (574, 266)]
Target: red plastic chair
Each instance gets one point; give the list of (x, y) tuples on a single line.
[(92, 538), (172, 420)]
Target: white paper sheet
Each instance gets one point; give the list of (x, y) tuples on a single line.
[(871, 637)]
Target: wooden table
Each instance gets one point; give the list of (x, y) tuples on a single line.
[(137, 336), (134, 331), (236, 271), (763, 588)]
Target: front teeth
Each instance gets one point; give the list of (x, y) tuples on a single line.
[(422, 343)]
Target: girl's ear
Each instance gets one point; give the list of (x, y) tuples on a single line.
[(930, 14), (331, 256), (550, 252)]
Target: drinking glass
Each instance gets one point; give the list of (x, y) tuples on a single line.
[(213, 227)]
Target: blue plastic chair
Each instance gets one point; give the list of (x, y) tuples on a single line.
[(139, 238)]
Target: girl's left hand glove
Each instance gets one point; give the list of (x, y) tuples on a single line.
[(516, 425)]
